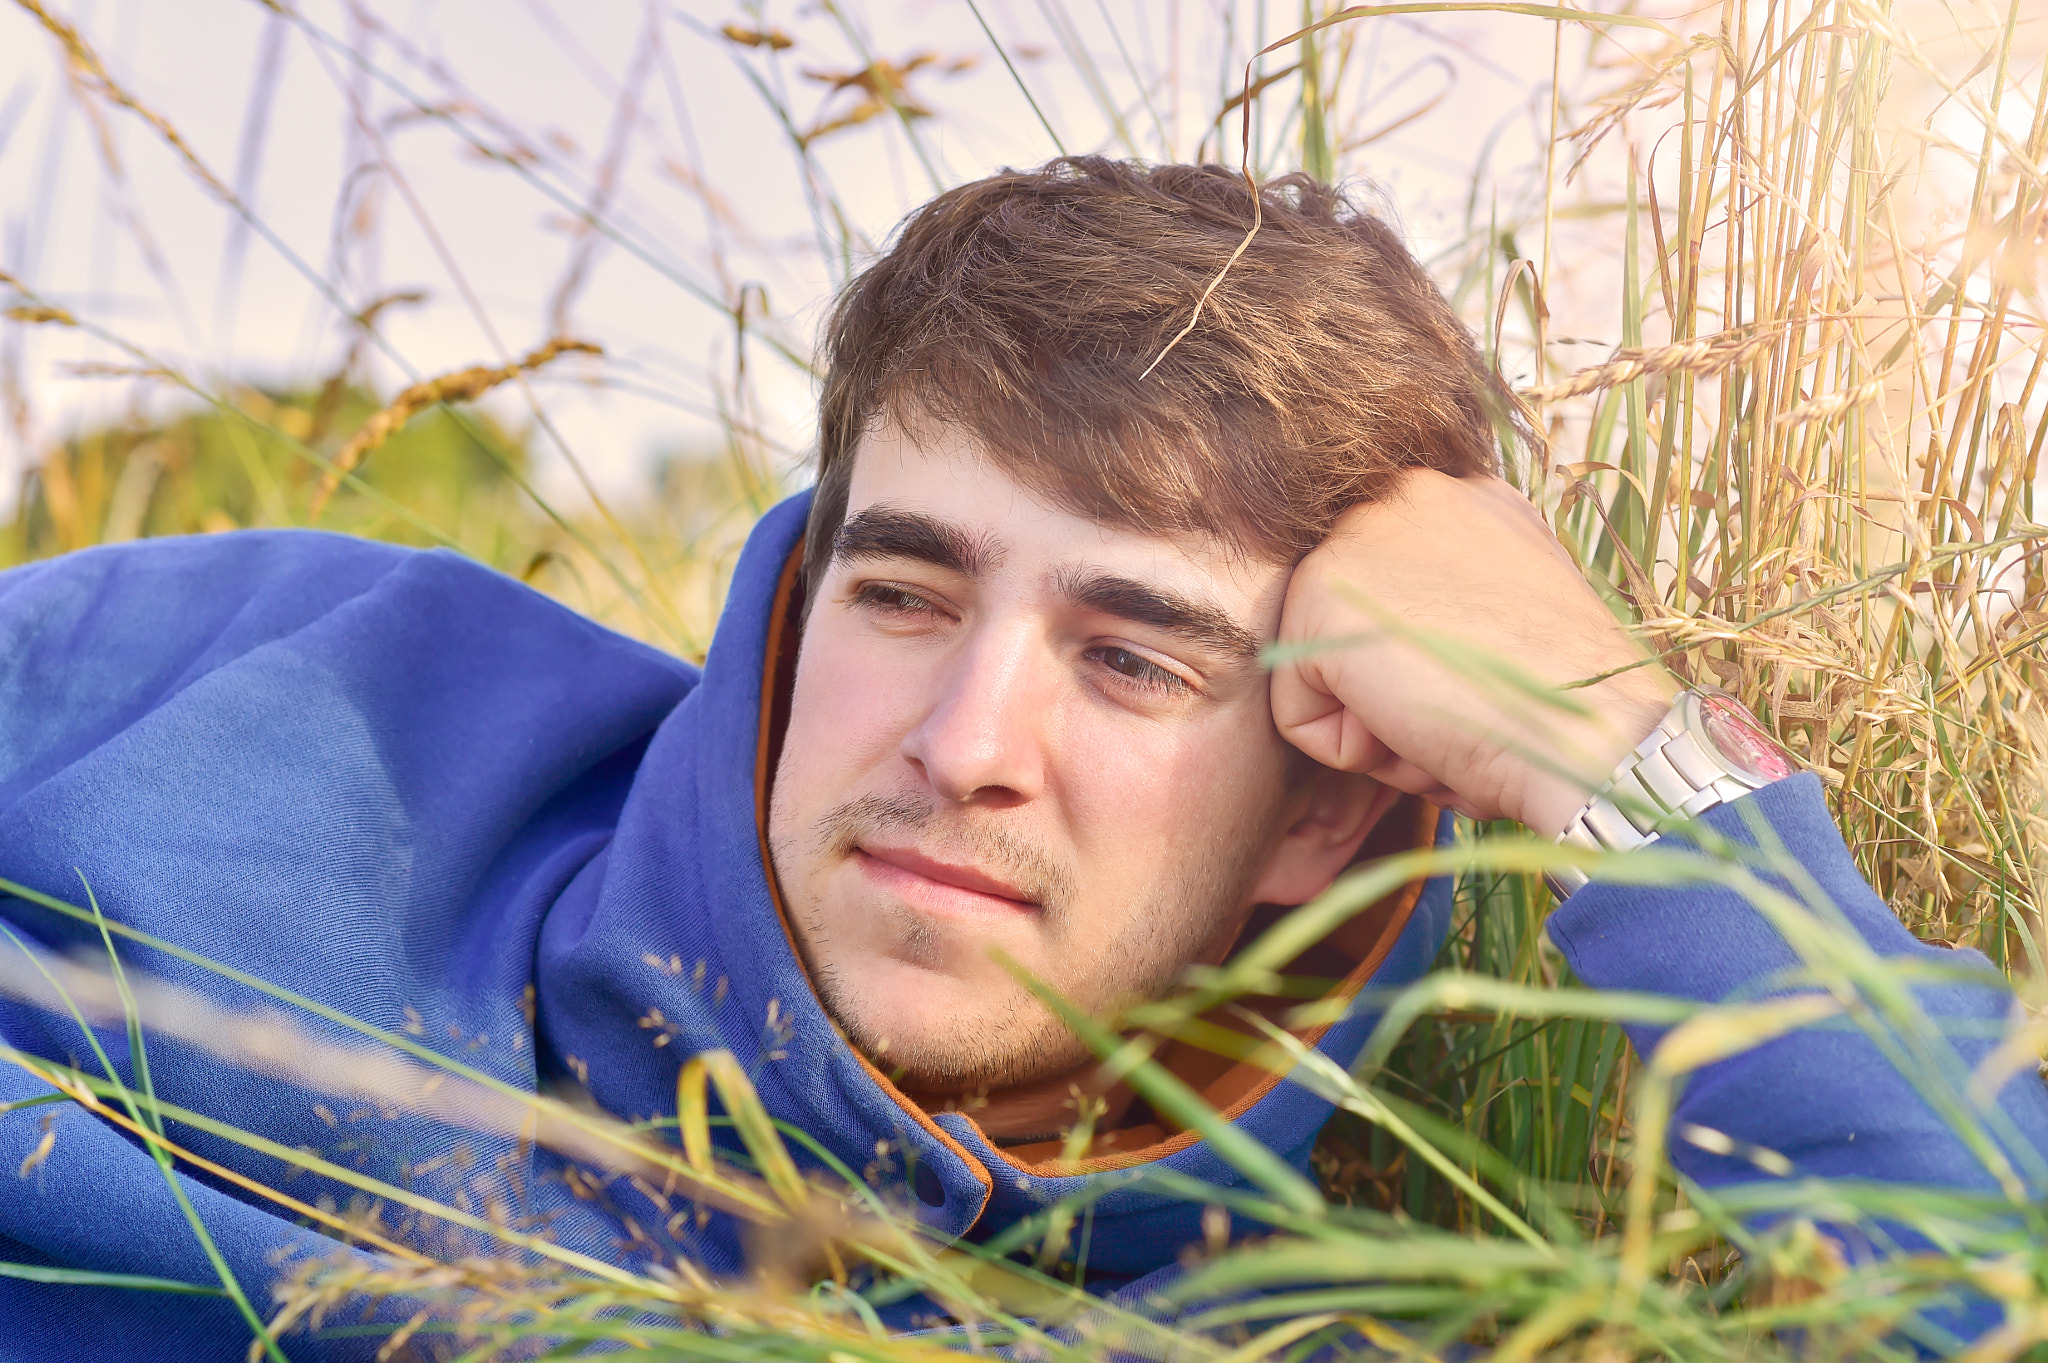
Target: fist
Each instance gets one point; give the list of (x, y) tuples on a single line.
[(1424, 643)]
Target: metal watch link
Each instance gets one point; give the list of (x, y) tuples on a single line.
[(1706, 751)]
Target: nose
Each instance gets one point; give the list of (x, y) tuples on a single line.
[(981, 742)]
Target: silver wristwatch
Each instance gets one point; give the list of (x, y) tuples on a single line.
[(1706, 751)]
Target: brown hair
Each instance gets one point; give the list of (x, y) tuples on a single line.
[(1025, 307)]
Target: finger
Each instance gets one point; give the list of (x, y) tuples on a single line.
[(1339, 741), (1404, 775), (1314, 720)]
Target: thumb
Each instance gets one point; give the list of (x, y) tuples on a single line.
[(1311, 716)]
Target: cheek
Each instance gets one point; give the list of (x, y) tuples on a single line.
[(849, 710), (1143, 798)]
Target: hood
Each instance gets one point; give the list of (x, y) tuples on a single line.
[(684, 923)]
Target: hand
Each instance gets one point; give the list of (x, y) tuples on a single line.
[(1471, 561)]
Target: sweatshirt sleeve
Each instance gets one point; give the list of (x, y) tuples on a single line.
[(93, 641), (1827, 1098)]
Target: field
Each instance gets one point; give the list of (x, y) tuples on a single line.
[(1800, 454)]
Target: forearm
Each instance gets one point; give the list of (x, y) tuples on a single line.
[(1831, 1100)]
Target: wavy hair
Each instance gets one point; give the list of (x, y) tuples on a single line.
[(1026, 307)]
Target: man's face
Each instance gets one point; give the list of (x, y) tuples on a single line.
[(1016, 728)]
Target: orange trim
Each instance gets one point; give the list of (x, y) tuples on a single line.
[(777, 658)]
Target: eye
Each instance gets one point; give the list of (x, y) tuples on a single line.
[(1138, 669), (891, 599)]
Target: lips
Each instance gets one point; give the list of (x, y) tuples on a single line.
[(939, 885)]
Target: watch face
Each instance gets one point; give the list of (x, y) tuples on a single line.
[(1742, 742)]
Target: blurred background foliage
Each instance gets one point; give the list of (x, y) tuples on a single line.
[(445, 478), (209, 471)]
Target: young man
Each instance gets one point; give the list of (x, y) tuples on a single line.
[(996, 685)]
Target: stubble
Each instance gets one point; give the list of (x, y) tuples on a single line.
[(1012, 1038)]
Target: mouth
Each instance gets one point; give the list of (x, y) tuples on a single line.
[(938, 886)]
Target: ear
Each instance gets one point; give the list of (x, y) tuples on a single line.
[(1333, 810)]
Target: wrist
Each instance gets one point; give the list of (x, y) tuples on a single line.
[(1555, 792), (1706, 751)]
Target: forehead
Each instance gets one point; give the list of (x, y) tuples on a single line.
[(943, 472)]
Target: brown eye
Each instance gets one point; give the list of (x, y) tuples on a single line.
[(1137, 668), (882, 596)]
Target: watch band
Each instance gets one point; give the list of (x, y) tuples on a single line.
[(1706, 751)]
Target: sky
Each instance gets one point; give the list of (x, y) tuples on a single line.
[(443, 156)]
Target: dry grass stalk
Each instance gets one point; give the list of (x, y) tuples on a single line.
[(461, 386), (802, 1232), (1843, 386), (33, 316), (87, 67), (1704, 355), (272, 1045)]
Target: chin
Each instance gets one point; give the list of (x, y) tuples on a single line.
[(915, 1004), (947, 1033)]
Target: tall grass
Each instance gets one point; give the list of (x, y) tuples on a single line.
[(1806, 470)]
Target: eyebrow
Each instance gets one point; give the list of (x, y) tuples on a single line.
[(1198, 622), (884, 531)]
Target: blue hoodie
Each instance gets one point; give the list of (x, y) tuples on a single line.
[(411, 790), (418, 793)]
